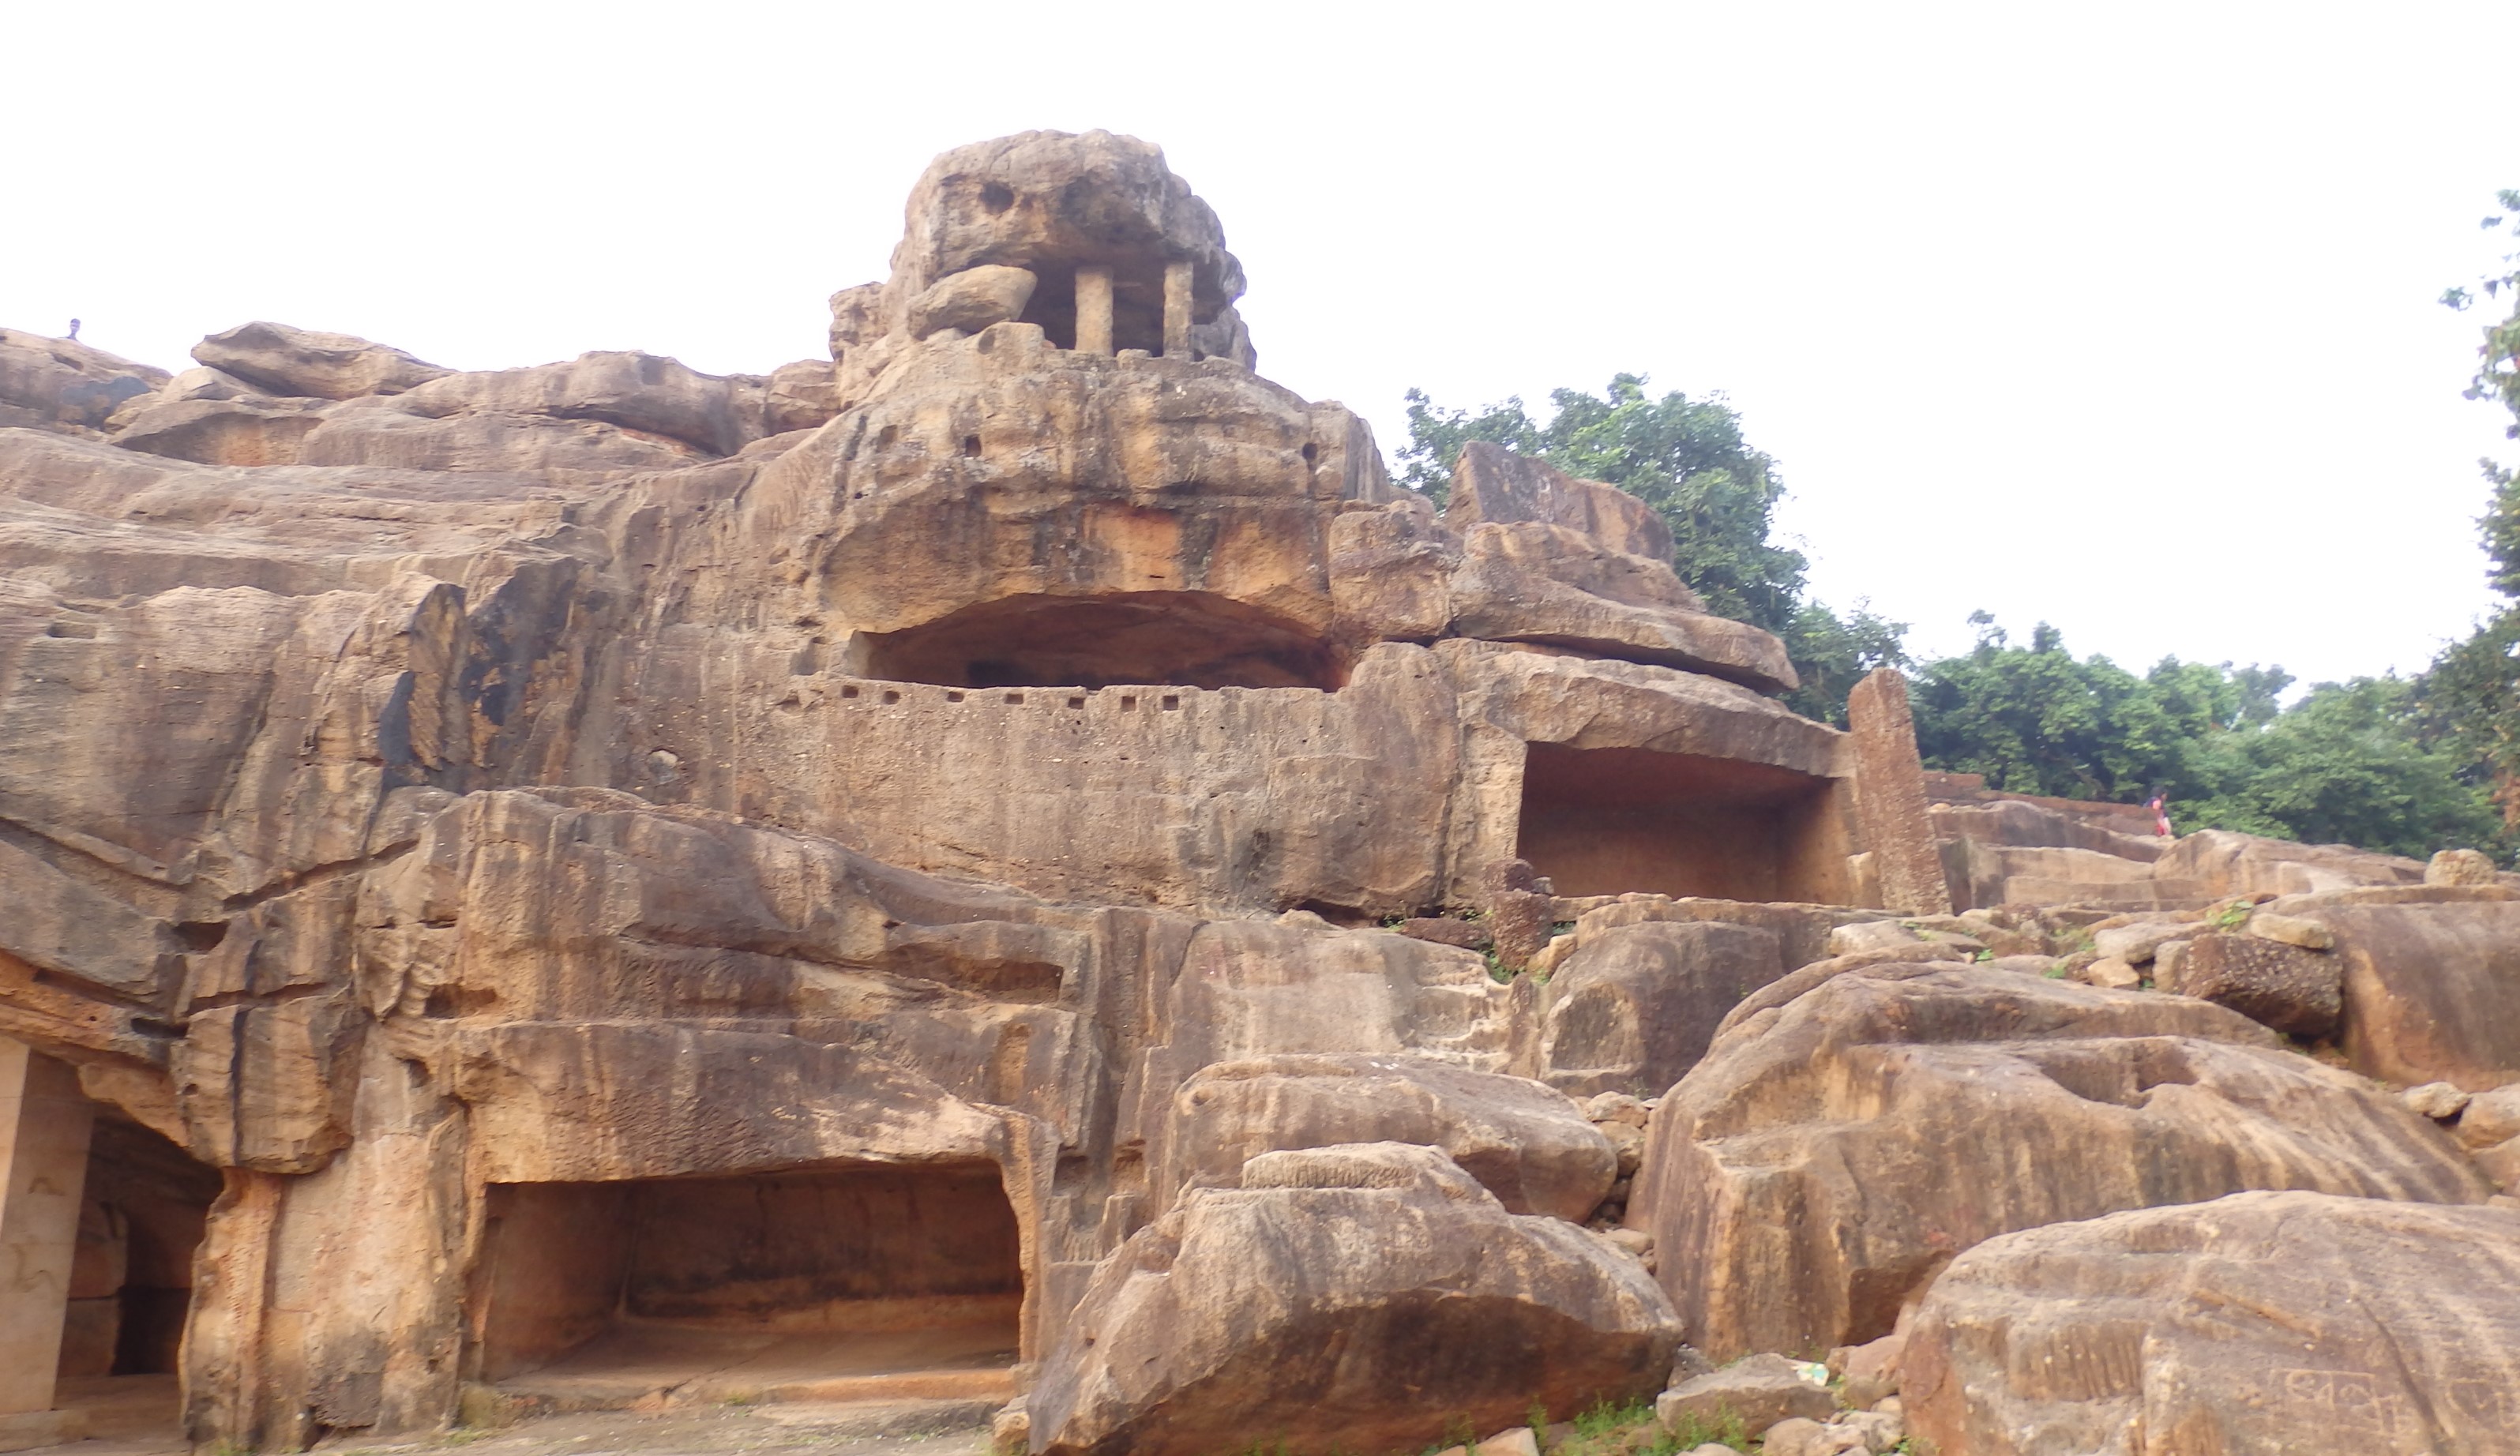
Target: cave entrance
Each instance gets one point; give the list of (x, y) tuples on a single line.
[(1616, 821), (144, 1207), (1181, 638), (863, 1281), (1137, 303)]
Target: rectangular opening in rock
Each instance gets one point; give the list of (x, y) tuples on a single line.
[(860, 1281), (1187, 639), (1616, 821), (145, 1205)]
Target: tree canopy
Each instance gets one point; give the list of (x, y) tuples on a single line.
[(2348, 764)]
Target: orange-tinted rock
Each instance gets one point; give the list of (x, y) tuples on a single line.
[(1829, 1155), (1243, 1309), (2265, 1322)]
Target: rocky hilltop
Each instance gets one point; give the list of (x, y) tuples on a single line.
[(1014, 865)]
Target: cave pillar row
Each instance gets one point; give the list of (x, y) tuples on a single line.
[(44, 1126)]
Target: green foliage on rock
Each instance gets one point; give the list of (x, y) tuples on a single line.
[(1689, 460)]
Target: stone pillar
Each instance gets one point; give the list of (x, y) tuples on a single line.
[(1093, 310), (1176, 310), (44, 1122), (1890, 797)]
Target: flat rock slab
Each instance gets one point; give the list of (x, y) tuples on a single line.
[(2263, 1323)]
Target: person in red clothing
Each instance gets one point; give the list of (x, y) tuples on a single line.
[(2160, 806)]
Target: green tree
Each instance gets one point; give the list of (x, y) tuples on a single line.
[(2346, 765), (2469, 699), (2037, 719), (1689, 460)]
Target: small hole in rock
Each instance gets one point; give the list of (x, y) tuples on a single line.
[(1128, 705), (1312, 453), (997, 196), (890, 696), (848, 693), (1014, 698), (1171, 702), (971, 447), (1076, 702), (953, 698)]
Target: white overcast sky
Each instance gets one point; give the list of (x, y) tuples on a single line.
[(2114, 315)]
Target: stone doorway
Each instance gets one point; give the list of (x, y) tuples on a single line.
[(146, 1205), (863, 1281), (1616, 821)]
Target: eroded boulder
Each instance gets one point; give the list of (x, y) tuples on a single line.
[(304, 362), (1530, 1146), (1824, 1159), (972, 299), (2271, 1322), (1361, 1298)]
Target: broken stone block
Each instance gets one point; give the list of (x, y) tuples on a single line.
[(2282, 986), (1757, 1391)]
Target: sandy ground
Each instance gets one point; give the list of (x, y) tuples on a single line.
[(135, 1416)]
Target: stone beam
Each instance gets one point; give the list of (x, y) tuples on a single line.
[(1890, 797)]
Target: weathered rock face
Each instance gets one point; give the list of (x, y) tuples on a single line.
[(1633, 1009), (1244, 1310), (2260, 1323), (586, 849), (65, 387), (1829, 1154)]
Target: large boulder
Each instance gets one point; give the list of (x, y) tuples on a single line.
[(1632, 1009), (2263, 1323), (1530, 1146), (2431, 986), (304, 362), (1829, 1154), (972, 299), (1363, 1297)]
